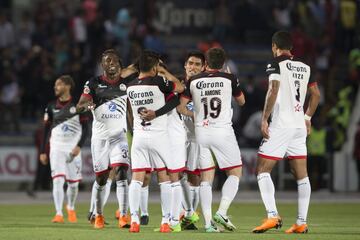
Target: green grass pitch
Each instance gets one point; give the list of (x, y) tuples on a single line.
[(326, 221)]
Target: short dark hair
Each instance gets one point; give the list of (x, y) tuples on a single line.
[(148, 59), (114, 52), (282, 39), (68, 80), (196, 54), (215, 58)]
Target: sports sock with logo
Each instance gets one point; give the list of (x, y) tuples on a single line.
[(58, 194), (228, 193), (165, 197), (205, 201), (267, 191), (72, 192), (134, 199), (176, 197), (304, 192), (122, 189), (186, 202), (144, 201)]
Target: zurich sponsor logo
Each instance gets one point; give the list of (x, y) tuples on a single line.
[(190, 106), (65, 127), (112, 107)]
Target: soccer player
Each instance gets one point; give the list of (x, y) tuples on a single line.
[(289, 80), (211, 93), (194, 64), (106, 96), (68, 132), (150, 146)]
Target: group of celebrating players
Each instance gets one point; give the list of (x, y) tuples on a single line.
[(177, 127)]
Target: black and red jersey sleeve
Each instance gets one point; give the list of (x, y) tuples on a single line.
[(237, 90), (48, 117), (187, 92), (164, 85), (273, 70), (89, 90), (312, 82), (85, 117)]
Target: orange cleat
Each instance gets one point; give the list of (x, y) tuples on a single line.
[(135, 227), (71, 215), (124, 222), (165, 228), (117, 214), (99, 222), (58, 219), (267, 224), (303, 228)]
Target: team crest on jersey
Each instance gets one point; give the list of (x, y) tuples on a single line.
[(112, 107), (86, 90), (122, 87), (72, 110)]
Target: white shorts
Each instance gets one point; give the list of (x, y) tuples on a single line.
[(60, 167), (223, 144), (284, 142), (198, 158), (108, 153), (152, 151)]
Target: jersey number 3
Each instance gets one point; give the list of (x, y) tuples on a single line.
[(215, 107)]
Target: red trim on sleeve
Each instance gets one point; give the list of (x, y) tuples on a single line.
[(269, 157), (170, 96), (174, 85), (239, 94), (86, 95), (84, 119), (296, 157), (312, 84)]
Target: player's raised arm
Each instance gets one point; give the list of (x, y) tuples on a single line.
[(237, 91), (86, 99), (126, 72), (313, 103), (178, 87)]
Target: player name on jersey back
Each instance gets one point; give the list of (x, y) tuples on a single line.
[(294, 77), (149, 93), (211, 93)]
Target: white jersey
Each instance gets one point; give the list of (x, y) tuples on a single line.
[(176, 126), (294, 77), (211, 93), (189, 123), (149, 93), (110, 106)]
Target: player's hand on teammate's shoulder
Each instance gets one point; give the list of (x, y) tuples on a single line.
[(43, 158), (265, 129)]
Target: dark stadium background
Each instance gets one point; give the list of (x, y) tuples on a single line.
[(39, 41)]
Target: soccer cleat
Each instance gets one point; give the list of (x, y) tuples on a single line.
[(267, 224), (165, 228), (134, 227), (91, 218), (176, 228), (117, 214), (224, 221), (212, 229), (144, 220), (191, 226), (58, 219), (99, 222), (124, 222), (303, 228), (187, 221), (71, 215)]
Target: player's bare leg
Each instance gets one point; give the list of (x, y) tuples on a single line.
[(228, 193), (100, 184), (267, 191), (122, 189), (299, 170), (144, 219), (134, 199)]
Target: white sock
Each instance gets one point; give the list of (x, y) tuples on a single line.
[(195, 196), (92, 200), (206, 200), (99, 198), (176, 197), (58, 194), (144, 201), (267, 191), (228, 194), (165, 197), (72, 192), (107, 191), (122, 189), (304, 192), (186, 201), (134, 199)]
